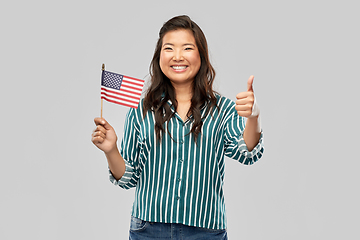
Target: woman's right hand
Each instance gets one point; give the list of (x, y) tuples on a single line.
[(104, 136)]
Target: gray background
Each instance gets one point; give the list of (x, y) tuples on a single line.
[(305, 58)]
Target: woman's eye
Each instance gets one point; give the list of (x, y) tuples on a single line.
[(167, 48), (188, 49)]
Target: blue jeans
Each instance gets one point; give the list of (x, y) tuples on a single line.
[(142, 230)]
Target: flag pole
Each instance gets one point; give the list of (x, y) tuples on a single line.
[(101, 114)]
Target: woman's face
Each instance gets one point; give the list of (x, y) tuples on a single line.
[(179, 57)]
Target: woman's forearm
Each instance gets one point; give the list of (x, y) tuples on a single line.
[(252, 132), (116, 163)]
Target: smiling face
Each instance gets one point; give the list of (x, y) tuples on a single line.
[(179, 57)]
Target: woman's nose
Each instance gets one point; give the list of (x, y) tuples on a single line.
[(177, 56)]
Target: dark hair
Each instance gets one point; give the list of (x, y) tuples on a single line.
[(161, 89)]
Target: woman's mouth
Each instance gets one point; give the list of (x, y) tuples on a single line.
[(179, 68)]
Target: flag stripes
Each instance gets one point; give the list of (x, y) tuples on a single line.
[(121, 89)]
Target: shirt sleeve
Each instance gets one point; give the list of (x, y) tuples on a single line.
[(235, 146), (130, 151)]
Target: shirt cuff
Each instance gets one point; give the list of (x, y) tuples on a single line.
[(254, 155), (125, 179)]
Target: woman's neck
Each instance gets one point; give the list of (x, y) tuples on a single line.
[(183, 92)]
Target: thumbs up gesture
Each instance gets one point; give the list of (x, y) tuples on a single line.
[(245, 103)]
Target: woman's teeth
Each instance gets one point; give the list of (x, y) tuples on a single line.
[(179, 67)]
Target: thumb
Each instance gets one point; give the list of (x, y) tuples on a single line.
[(103, 122), (250, 84)]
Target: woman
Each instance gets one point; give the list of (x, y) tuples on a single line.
[(174, 144)]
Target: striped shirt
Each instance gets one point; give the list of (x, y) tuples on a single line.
[(176, 179)]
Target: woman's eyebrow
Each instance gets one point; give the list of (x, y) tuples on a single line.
[(183, 44), (189, 44), (168, 44)]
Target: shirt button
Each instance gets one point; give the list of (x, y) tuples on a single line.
[(181, 141), (181, 160), (178, 198), (179, 179)]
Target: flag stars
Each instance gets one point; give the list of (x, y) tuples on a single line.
[(112, 80), (121, 89)]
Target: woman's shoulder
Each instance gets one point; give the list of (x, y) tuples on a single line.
[(136, 112), (223, 102)]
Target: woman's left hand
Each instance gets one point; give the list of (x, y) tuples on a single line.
[(246, 100)]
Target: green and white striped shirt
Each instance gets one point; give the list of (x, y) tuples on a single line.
[(176, 180)]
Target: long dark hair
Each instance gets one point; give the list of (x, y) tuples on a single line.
[(161, 89)]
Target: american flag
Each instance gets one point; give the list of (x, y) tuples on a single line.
[(121, 89)]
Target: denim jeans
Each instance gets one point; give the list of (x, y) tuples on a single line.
[(142, 230)]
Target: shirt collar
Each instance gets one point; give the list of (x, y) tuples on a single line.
[(203, 106)]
